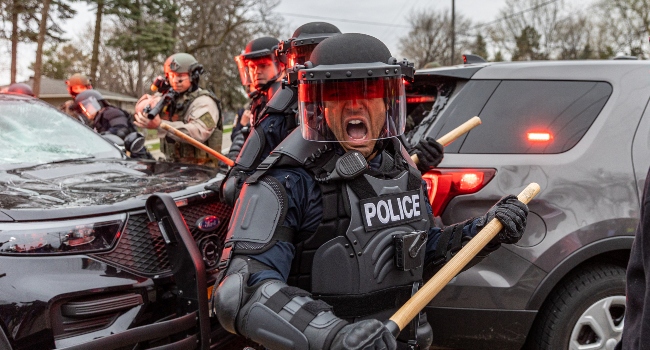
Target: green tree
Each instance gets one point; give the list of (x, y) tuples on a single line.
[(19, 24), (144, 32), (61, 61), (527, 45), (480, 47), (498, 57)]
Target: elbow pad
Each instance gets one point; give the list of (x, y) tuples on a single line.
[(272, 313)]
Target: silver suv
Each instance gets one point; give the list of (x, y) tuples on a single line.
[(579, 129)]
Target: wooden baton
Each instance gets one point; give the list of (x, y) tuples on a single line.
[(454, 134), (419, 300), (197, 144)]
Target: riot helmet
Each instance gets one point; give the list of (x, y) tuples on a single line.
[(352, 92), (258, 64), (179, 64), (21, 89), (90, 102), (299, 47)]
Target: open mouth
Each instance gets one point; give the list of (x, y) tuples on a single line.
[(356, 129)]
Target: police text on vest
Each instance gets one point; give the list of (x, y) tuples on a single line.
[(391, 210)]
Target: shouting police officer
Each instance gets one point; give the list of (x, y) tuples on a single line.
[(109, 119), (194, 111), (278, 117), (332, 232)]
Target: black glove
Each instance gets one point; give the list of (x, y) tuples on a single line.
[(430, 154), (364, 335), (512, 213)]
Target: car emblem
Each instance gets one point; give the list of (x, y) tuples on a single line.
[(207, 223), (173, 65)]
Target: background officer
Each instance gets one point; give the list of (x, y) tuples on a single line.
[(192, 110), (278, 117), (77, 83), (261, 74), (341, 235), (106, 118)]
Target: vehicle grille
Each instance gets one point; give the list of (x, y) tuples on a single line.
[(141, 248)]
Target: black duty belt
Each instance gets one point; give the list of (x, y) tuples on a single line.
[(361, 305)]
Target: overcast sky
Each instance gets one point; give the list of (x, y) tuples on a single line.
[(384, 19)]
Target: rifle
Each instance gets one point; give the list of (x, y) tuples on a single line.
[(161, 85)]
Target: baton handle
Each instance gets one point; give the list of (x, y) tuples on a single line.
[(419, 300), (454, 134), (197, 144)]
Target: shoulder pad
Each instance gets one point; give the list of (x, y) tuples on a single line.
[(251, 150), (300, 150), (261, 208), (284, 101)]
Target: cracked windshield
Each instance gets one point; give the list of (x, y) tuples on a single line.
[(33, 134)]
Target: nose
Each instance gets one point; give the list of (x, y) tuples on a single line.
[(354, 106)]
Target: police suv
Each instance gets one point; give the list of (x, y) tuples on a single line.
[(579, 129)]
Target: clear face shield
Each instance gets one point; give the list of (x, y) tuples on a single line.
[(258, 71), (299, 55), (90, 106), (352, 111)]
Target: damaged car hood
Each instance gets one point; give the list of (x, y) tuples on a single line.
[(95, 182)]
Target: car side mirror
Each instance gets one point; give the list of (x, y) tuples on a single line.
[(114, 139)]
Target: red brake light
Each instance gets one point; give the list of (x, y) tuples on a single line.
[(445, 184), (539, 136)]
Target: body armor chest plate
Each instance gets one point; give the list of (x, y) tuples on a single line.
[(383, 246)]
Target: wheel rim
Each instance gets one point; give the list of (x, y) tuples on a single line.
[(600, 326)]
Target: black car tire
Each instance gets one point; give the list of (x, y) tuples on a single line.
[(564, 320)]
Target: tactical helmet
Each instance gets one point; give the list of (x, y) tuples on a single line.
[(77, 83), (90, 102), (258, 49), (184, 63), (352, 68), (298, 48), (20, 88)]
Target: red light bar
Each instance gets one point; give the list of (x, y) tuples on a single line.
[(539, 136), (420, 99)]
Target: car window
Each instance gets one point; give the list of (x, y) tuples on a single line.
[(536, 116), (34, 133)]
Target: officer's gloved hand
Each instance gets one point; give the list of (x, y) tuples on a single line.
[(364, 335), (512, 213), (430, 154)]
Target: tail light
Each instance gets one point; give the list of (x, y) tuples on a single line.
[(445, 184)]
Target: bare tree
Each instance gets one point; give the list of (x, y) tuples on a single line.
[(625, 25), (215, 31), (429, 39), (526, 22)]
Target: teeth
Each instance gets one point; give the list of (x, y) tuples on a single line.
[(355, 122)]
